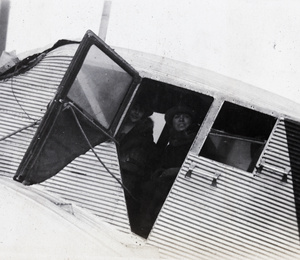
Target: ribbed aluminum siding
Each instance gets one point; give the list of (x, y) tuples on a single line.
[(86, 183), (244, 217), (23, 99)]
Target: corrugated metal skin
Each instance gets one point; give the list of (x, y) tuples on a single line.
[(23, 100), (244, 217), (84, 181)]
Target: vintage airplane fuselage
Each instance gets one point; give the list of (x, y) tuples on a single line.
[(236, 195)]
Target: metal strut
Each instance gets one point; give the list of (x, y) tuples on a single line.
[(20, 130), (91, 147)]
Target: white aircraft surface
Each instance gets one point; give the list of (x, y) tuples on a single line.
[(39, 225)]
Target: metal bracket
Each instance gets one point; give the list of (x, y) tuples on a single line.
[(192, 169), (284, 171), (188, 175), (287, 171), (216, 177)]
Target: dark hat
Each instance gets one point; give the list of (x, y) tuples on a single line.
[(180, 109), (148, 111)]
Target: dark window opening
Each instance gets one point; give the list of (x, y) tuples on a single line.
[(152, 152), (238, 136)]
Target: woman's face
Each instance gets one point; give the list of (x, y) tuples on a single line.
[(181, 121), (136, 113)]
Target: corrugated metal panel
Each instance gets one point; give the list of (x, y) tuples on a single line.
[(245, 216), (86, 183), (23, 99)]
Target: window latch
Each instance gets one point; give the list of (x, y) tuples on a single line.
[(192, 169), (263, 165)]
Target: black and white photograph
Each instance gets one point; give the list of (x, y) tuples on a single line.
[(150, 130)]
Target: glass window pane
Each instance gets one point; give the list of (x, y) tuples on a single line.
[(100, 87), (238, 136)]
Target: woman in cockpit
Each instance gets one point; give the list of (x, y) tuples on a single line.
[(136, 151), (183, 130)]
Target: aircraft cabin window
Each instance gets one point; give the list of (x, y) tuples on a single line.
[(238, 136), (154, 139), (100, 86)]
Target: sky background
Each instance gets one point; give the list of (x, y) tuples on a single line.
[(255, 41)]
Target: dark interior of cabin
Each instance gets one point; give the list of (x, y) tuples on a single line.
[(160, 97)]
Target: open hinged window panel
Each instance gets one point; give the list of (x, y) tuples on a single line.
[(91, 98), (100, 87), (102, 83)]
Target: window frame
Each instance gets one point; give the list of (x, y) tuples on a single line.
[(58, 103), (89, 39), (207, 127)]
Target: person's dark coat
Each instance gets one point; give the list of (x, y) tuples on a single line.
[(177, 149), (156, 190), (136, 153), (174, 154), (136, 148)]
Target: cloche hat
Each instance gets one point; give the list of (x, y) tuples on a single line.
[(146, 107), (180, 109)]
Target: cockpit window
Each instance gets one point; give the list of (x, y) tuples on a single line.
[(100, 86), (238, 136)]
